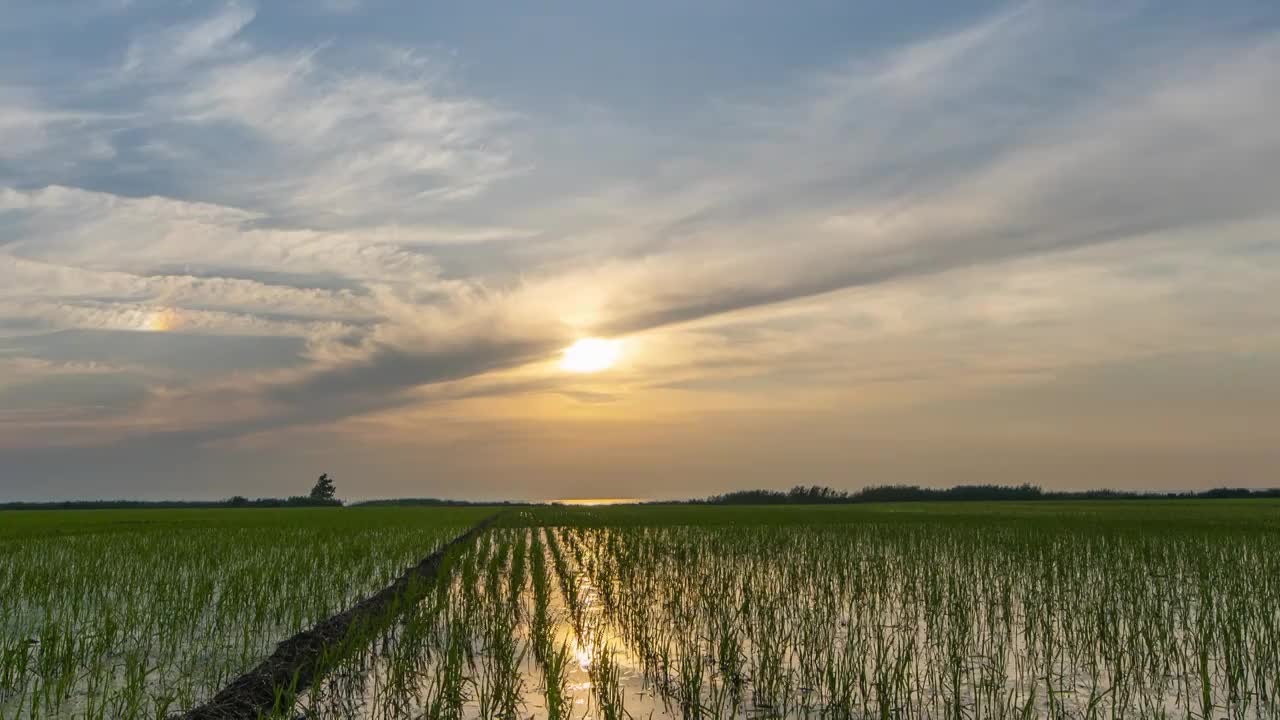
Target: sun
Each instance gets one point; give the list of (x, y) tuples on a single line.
[(591, 355)]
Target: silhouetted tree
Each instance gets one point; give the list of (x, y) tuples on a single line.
[(238, 501), (324, 488)]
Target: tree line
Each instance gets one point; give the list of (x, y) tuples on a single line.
[(323, 494), (818, 494)]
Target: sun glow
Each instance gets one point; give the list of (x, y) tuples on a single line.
[(161, 321), (591, 355), (593, 502)]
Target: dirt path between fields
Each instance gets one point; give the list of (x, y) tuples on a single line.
[(298, 660)]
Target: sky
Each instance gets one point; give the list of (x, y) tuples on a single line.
[(830, 243)]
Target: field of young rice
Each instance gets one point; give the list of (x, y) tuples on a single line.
[(1079, 610), (961, 610), (142, 613)]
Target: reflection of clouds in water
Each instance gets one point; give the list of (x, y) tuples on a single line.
[(831, 603)]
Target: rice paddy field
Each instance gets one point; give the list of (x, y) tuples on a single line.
[(1120, 609), (141, 613)]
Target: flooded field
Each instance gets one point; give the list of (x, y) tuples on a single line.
[(885, 618), (966, 610), (114, 615)]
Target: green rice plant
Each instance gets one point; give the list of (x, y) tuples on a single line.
[(607, 684), (144, 613), (559, 703), (938, 613), (1075, 610)]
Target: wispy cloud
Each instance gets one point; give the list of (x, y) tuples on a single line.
[(170, 50), (1020, 196), (345, 144)]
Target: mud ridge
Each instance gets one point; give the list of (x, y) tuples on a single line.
[(298, 660)]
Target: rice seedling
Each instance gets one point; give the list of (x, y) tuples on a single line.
[(555, 681), (1058, 610), (139, 614)]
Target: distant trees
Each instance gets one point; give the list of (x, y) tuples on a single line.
[(233, 502), (817, 494), (293, 501), (324, 489), (437, 502), (323, 494), (814, 494)]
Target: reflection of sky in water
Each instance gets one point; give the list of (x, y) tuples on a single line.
[(594, 632)]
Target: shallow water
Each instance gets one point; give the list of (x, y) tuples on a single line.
[(807, 644)]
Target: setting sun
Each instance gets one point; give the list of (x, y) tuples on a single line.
[(591, 355)]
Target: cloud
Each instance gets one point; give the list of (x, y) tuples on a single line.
[(349, 144), (1193, 147), (365, 237), (171, 49), (108, 232), (35, 136)]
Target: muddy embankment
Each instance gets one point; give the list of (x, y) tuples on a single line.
[(299, 660)]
